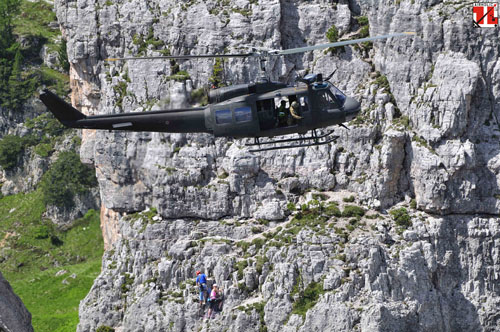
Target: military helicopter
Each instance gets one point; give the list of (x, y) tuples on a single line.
[(243, 110)]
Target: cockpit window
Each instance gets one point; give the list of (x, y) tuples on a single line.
[(304, 102), (326, 100), (339, 96)]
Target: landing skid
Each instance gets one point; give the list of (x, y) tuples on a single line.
[(312, 140)]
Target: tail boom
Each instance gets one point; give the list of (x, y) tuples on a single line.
[(173, 121)]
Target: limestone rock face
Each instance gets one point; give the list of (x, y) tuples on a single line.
[(14, 317), (378, 279), (427, 134), (433, 91)]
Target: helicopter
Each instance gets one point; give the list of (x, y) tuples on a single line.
[(240, 111)]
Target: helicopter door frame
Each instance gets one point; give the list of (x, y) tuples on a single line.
[(235, 119)]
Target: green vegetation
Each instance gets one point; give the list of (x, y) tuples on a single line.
[(401, 217), (180, 76), (413, 204), (15, 85), (308, 298), (53, 79), (261, 261), (332, 209), (149, 41), (256, 230), (128, 281), (320, 196), (145, 216), (242, 11), (217, 78), (364, 27), (349, 199), (120, 91), (353, 211), (33, 250), (66, 178), (176, 74), (43, 149), (382, 82), (46, 130), (240, 266), (199, 96), (402, 122), (34, 20), (258, 307), (422, 142), (333, 36), (11, 147), (243, 245), (45, 125), (310, 217), (62, 55), (30, 20), (290, 206), (104, 328)]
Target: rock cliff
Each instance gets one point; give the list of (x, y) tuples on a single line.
[(13, 315), (426, 139)]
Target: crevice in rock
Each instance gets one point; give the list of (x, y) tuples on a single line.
[(491, 98)]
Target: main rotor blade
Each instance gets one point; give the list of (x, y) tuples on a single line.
[(342, 43), (183, 57), (267, 53)]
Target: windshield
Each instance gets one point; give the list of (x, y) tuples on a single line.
[(338, 95), (326, 100)]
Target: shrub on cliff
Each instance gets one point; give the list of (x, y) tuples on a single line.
[(353, 211), (104, 328), (10, 148), (308, 298), (66, 178), (401, 217)]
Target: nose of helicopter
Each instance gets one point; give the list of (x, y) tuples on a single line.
[(351, 108)]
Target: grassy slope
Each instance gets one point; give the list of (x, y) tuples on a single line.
[(32, 250), (34, 20), (30, 259)]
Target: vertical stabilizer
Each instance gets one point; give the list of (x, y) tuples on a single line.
[(63, 111)]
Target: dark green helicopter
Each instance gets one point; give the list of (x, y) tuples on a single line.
[(245, 110)]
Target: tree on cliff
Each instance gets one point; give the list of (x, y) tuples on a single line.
[(13, 86), (8, 9)]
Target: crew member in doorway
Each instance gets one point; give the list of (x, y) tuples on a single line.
[(295, 110), (282, 114)]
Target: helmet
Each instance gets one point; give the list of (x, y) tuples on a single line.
[(198, 272)]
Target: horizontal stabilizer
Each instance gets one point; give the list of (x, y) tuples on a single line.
[(63, 111)]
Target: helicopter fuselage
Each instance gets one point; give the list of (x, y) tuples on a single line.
[(256, 115), (249, 115)]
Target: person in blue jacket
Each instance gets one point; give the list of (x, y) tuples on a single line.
[(201, 282)]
